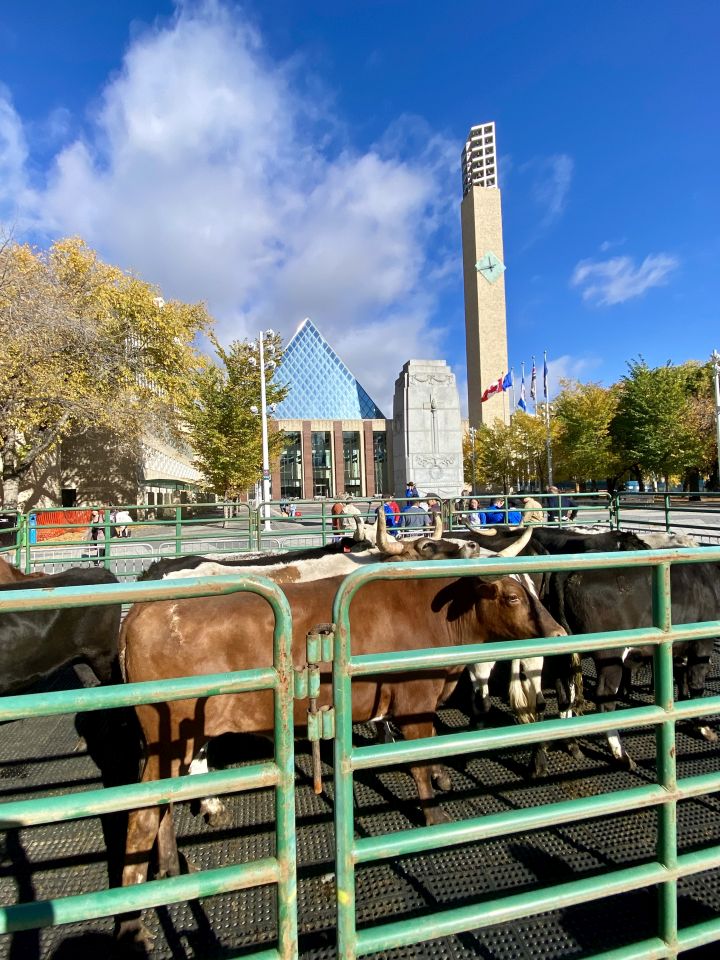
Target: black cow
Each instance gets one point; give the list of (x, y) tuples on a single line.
[(593, 601), (35, 643)]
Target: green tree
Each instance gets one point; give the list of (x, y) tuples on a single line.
[(654, 424), (224, 431), (584, 448), (84, 345), (508, 454)]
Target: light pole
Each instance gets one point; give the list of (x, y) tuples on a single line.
[(715, 359), (263, 419), (473, 434)]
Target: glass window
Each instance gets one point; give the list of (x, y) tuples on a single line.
[(322, 463), (351, 462), (380, 462), (291, 466)]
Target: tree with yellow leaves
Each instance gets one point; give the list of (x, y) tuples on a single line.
[(85, 344)]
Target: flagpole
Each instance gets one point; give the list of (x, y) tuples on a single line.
[(548, 444), (512, 387)]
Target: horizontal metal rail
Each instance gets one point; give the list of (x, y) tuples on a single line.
[(279, 773), (669, 866)]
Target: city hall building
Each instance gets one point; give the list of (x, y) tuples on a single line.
[(336, 437)]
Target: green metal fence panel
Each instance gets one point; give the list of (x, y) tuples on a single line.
[(280, 773), (668, 866)]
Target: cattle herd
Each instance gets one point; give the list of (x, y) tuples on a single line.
[(216, 634)]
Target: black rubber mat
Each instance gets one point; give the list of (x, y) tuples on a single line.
[(47, 756)]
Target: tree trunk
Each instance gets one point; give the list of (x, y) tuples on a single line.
[(10, 475)]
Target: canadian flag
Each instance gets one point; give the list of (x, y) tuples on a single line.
[(495, 388)]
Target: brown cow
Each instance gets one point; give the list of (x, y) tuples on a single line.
[(228, 633), (11, 574)]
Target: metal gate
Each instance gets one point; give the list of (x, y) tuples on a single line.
[(664, 871), (280, 772)]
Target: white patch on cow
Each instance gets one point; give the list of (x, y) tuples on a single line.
[(566, 714), (708, 734), (613, 739), (480, 677), (660, 541), (625, 653), (212, 806), (199, 764), (302, 571)]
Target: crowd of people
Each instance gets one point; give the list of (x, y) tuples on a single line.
[(413, 516)]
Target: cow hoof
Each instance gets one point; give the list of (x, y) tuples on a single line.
[(220, 819), (574, 750), (442, 779), (627, 762), (707, 733), (133, 935), (437, 816), (538, 767)]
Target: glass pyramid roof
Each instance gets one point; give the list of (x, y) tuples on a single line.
[(321, 386)]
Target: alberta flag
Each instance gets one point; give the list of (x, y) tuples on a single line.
[(521, 402)]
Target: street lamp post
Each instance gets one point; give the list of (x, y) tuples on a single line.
[(473, 434), (715, 359), (263, 420)]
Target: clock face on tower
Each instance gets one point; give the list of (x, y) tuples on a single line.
[(490, 266)]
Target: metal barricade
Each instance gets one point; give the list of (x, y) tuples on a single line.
[(280, 772), (664, 871)]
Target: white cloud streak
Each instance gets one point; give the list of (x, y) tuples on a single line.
[(553, 177), (613, 281), (206, 169)]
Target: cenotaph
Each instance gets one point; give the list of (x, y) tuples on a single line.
[(427, 429)]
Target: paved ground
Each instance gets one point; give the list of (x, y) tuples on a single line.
[(44, 756)]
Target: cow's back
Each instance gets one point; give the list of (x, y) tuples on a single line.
[(34, 643)]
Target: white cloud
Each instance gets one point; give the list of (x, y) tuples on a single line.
[(609, 244), (567, 367), (15, 193), (207, 170), (551, 187), (607, 282)]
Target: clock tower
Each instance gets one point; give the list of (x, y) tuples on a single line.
[(483, 272)]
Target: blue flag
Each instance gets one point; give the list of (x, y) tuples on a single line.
[(545, 376), (507, 380), (521, 402)]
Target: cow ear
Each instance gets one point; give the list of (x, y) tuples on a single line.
[(487, 589), (426, 548)]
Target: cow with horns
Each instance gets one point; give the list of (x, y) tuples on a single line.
[(233, 633)]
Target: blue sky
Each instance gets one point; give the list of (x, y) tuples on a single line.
[(302, 159)]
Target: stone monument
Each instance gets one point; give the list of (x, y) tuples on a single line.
[(427, 430)]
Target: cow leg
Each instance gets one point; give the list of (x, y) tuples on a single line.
[(167, 849), (212, 808), (422, 773), (143, 826), (566, 696), (696, 671), (480, 679), (609, 673)]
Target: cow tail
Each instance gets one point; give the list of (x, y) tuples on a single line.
[(576, 680), (521, 694)]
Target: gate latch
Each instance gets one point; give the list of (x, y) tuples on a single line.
[(320, 720)]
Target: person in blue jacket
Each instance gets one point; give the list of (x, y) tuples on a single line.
[(498, 514)]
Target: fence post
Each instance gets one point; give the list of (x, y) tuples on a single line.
[(108, 538), (20, 534), (667, 512), (178, 530)]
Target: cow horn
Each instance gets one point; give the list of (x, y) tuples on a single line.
[(483, 531), (359, 533), (437, 527), (383, 542), (514, 548)]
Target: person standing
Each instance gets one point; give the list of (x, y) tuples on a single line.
[(533, 511)]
